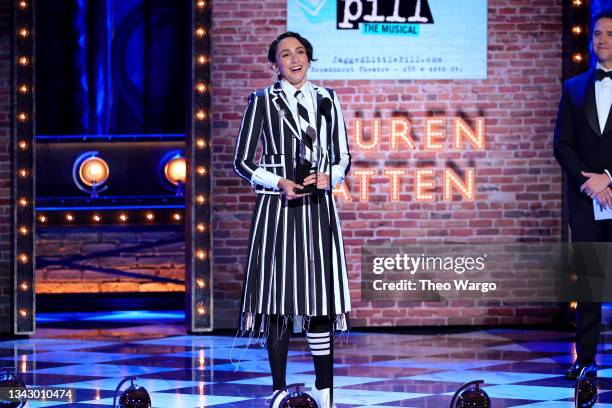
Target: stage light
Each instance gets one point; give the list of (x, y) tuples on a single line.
[(23, 144), (201, 309), (23, 230), (200, 32), (577, 3), (23, 61), (200, 254), (201, 115), (471, 396), (200, 227), (201, 284), (23, 312), (23, 32), (149, 216), (97, 218), (23, 173), (23, 202), (201, 170), (202, 59), (42, 218), (577, 58), (201, 143), (134, 396), (585, 390), (22, 117), (200, 199), (177, 216), (175, 170), (23, 258), (577, 30), (23, 89), (573, 305), (69, 217), (123, 217), (24, 286), (201, 87), (23, 5), (201, 4), (94, 171)]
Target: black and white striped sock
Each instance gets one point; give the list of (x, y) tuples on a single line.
[(319, 341)]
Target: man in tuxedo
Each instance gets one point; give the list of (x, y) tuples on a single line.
[(583, 148)]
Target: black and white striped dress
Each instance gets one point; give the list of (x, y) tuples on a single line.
[(291, 266)]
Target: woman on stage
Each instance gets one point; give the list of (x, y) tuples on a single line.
[(295, 273)]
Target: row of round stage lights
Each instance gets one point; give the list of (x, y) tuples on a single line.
[(94, 172), (577, 58), (577, 30), (201, 158), (23, 75)]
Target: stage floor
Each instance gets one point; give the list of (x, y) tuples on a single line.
[(521, 368)]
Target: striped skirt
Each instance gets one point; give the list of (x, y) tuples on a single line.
[(295, 262)]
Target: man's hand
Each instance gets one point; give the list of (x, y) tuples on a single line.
[(605, 197), (288, 188), (322, 180), (595, 184)]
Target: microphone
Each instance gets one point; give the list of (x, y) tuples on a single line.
[(326, 109), (312, 133)]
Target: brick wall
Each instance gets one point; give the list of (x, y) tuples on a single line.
[(91, 261), (518, 182), (518, 196), (5, 166)]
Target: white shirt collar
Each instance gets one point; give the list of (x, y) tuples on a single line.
[(599, 66), (290, 89)]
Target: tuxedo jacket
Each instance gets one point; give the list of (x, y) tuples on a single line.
[(268, 117), (579, 144)]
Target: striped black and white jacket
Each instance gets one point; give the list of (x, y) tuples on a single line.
[(270, 117)]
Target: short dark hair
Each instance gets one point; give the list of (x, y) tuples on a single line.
[(302, 40), (603, 13)]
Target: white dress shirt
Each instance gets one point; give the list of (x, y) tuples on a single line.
[(307, 98), (603, 99)]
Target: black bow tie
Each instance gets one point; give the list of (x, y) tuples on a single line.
[(601, 74)]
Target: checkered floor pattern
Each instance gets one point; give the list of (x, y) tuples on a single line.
[(521, 368)]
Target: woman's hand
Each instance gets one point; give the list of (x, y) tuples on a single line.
[(321, 179), (288, 188)]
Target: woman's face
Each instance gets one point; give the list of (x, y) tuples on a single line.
[(292, 61)]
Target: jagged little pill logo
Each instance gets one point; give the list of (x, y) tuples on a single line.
[(383, 17)]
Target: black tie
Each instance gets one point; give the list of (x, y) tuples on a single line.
[(304, 121), (601, 74)]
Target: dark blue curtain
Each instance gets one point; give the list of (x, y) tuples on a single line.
[(112, 66)]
